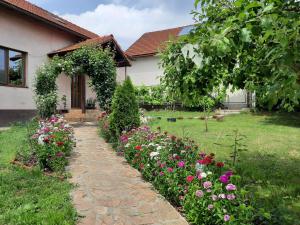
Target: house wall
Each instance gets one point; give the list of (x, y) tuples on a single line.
[(144, 71), (37, 39)]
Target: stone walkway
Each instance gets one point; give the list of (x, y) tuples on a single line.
[(109, 191)]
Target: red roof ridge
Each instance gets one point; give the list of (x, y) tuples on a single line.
[(151, 42), (37, 11)]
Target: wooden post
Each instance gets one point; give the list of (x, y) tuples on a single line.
[(83, 93)]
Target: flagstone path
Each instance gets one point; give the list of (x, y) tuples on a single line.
[(109, 191)]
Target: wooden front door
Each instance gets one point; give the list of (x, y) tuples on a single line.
[(78, 92)]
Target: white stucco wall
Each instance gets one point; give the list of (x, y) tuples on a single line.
[(144, 71), (37, 39)]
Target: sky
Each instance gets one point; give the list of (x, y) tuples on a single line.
[(127, 20)]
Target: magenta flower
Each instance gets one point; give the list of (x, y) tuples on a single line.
[(199, 193), (207, 184), (226, 218), (210, 206), (170, 169), (180, 164), (224, 179), (230, 187), (229, 173), (231, 197)]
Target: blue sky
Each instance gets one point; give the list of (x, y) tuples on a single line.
[(126, 19)]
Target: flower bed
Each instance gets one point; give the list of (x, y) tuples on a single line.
[(51, 142), (204, 190)]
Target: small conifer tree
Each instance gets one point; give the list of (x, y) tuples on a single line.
[(125, 110)]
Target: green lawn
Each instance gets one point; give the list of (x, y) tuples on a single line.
[(271, 165), (29, 197)]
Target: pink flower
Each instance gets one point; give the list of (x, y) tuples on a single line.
[(226, 218), (124, 139), (207, 184), (231, 197), (230, 187), (180, 164), (210, 206), (223, 196), (161, 173), (162, 165), (214, 197), (224, 179), (189, 178), (199, 193), (170, 169), (208, 190)]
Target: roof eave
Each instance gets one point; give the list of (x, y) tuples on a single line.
[(46, 21)]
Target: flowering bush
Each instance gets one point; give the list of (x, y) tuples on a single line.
[(51, 142), (207, 192)]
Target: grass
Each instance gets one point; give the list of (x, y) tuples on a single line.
[(29, 197), (271, 165)]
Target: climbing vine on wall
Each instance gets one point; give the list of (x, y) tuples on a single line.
[(97, 63)]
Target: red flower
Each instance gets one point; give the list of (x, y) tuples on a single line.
[(220, 164), (59, 154), (46, 140), (190, 178), (177, 157), (206, 161), (59, 143), (138, 147)]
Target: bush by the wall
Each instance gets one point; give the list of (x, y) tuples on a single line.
[(125, 110)]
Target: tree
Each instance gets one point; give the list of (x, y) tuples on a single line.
[(125, 110), (246, 44)]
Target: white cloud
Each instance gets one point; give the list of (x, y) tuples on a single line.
[(127, 24)]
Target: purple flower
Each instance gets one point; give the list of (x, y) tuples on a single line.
[(230, 187), (229, 173), (214, 197), (210, 206), (199, 193), (231, 197), (224, 179), (226, 218), (180, 164)]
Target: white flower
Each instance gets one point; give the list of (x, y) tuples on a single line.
[(159, 148), (41, 140), (203, 175), (127, 145), (209, 173), (153, 154)]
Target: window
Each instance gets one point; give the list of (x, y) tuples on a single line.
[(12, 67)]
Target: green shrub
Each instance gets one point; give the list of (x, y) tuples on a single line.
[(125, 110)]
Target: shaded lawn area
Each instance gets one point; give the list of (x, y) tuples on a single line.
[(271, 165), (29, 197)]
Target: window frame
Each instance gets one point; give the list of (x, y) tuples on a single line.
[(6, 67)]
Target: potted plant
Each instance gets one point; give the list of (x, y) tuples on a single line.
[(90, 103)]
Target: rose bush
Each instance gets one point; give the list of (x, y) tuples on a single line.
[(51, 142), (206, 191)]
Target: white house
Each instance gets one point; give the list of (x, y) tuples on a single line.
[(145, 68), (29, 37)]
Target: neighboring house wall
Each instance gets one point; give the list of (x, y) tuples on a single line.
[(144, 71), (37, 39)]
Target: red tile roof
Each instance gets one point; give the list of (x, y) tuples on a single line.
[(35, 11), (150, 43), (95, 41)]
